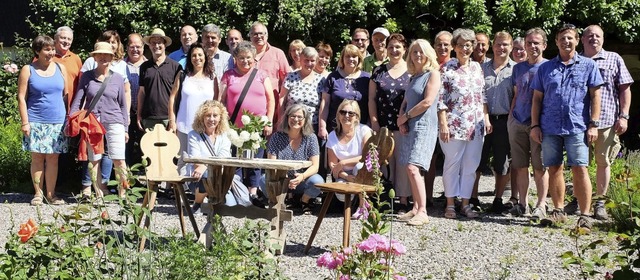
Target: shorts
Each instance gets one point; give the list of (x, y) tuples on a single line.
[(575, 145), (116, 146), (45, 138), (607, 140), (523, 148)]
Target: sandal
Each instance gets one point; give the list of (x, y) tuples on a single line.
[(511, 203), (36, 200), (450, 212), (406, 216), (419, 219), (56, 201), (468, 212)]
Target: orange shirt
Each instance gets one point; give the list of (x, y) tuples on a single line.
[(72, 64)]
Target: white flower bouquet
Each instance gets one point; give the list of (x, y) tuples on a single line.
[(249, 137)]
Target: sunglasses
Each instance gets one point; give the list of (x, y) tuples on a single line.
[(348, 113)]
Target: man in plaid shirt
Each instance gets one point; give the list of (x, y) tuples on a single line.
[(614, 107)]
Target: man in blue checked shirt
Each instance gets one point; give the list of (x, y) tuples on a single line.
[(614, 108), (565, 116)]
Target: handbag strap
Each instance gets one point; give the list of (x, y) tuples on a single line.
[(95, 99), (242, 95), (208, 143)]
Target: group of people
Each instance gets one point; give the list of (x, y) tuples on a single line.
[(517, 106)]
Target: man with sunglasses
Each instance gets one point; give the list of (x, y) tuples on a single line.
[(360, 39), (614, 111), (565, 115)]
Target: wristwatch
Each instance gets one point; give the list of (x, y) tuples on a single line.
[(624, 116), (594, 123)]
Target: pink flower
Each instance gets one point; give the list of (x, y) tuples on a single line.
[(368, 246), (397, 248), (347, 251), (399, 277), (361, 214), (330, 260), (345, 277)]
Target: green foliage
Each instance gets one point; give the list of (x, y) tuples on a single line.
[(14, 162), (92, 243), (8, 94)]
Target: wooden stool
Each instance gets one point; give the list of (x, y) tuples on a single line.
[(363, 184), (160, 147)]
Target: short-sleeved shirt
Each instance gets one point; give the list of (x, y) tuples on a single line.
[(157, 81), (72, 65), (119, 67), (523, 74), (180, 57), (462, 97), (220, 62), (498, 87), (274, 63), (370, 63), (133, 74), (255, 101), (348, 150), (566, 103), (614, 73), (389, 96), (307, 94), (278, 145), (339, 88)]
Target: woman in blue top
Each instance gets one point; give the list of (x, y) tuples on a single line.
[(42, 111), (418, 120), (295, 140), (209, 139)]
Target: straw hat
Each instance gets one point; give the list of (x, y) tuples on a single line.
[(102, 47), (157, 32)]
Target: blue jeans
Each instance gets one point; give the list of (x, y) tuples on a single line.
[(574, 144), (307, 187), (106, 165)]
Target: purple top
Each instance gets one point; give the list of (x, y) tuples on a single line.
[(339, 88), (523, 74), (566, 106), (112, 107)]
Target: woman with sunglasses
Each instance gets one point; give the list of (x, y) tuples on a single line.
[(344, 145)]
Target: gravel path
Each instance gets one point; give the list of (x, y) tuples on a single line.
[(488, 248)]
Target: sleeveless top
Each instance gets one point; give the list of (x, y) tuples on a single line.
[(195, 91), (348, 150), (44, 97)]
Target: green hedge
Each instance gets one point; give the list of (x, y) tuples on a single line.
[(14, 162)]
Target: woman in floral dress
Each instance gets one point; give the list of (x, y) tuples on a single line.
[(463, 121)]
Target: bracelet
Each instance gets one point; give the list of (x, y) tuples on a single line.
[(25, 124), (534, 126), (406, 114)]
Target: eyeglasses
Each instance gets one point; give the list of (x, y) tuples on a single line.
[(566, 26), (466, 46), (360, 40), (296, 118), (348, 113), (258, 34)]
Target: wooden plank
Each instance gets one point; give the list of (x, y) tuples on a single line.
[(275, 164), (346, 188)]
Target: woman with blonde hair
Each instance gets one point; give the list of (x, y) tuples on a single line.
[(419, 121), (348, 82), (295, 50), (209, 138)]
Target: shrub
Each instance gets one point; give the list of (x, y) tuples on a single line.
[(624, 192), (14, 162), (93, 243)]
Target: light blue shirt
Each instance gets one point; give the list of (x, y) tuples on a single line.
[(180, 57), (523, 74), (221, 62), (566, 103)]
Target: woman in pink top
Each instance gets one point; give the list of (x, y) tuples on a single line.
[(259, 99)]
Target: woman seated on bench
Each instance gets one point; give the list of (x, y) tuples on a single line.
[(295, 140), (209, 138)]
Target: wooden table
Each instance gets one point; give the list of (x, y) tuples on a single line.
[(218, 182)]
